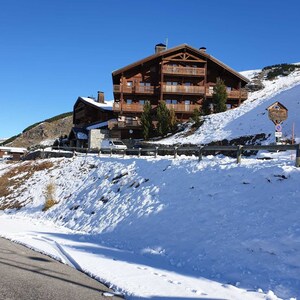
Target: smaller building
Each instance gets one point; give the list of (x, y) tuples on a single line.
[(90, 121), (12, 153)]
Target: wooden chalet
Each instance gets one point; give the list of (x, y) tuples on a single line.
[(183, 77), (88, 114), (12, 153)]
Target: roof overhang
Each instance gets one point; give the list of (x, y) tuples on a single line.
[(165, 53)]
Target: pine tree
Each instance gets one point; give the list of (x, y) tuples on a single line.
[(146, 120), (219, 96), (163, 118), (196, 117), (173, 119)]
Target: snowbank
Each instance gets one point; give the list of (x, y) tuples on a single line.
[(176, 227)]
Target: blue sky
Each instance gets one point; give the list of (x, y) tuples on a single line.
[(53, 51)]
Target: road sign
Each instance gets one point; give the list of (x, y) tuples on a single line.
[(278, 127), (278, 134)]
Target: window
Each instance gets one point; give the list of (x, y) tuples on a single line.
[(187, 102), (171, 101), (187, 84), (129, 83), (144, 83), (129, 101), (142, 102), (172, 83)]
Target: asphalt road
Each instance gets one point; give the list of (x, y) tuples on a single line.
[(25, 274)]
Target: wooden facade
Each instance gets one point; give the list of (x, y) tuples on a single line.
[(89, 111), (183, 77), (12, 153)]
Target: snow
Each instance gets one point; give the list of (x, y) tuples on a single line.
[(165, 228), (107, 105)]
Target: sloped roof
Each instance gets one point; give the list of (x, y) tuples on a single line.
[(105, 106), (277, 103), (171, 50)]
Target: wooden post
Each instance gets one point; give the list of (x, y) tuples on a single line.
[(175, 152), (200, 153), (298, 155), (110, 151), (239, 154), (156, 151), (139, 153)]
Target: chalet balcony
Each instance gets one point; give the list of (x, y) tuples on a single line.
[(236, 94), (133, 107), (241, 94), (116, 124), (147, 90), (126, 89), (188, 71), (183, 108), (182, 89)]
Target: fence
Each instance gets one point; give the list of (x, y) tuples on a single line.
[(199, 151)]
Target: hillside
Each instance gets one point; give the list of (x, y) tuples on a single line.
[(169, 228), (44, 133)]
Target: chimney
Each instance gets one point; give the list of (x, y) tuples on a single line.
[(100, 97), (159, 48), (202, 49)]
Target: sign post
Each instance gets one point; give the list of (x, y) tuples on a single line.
[(277, 114)]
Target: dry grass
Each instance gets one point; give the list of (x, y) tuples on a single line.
[(13, 180), (50, 196)]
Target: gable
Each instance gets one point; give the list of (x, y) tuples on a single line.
[(179, 53)]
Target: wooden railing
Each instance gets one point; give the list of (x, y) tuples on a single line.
[(174, 151), (125, 89), (134, 107), (193, 71), (123, 124), (183, 89), (144, 89), (183, 107), (237, 94), (136, 89)]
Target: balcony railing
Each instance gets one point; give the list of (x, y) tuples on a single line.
[(243, 94), (134, 107), (183, 89), (181, 108), (126, 89), (114, 124), (136, 89), (237, 94), (193, 71)]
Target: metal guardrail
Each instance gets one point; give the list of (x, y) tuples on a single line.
[(175, 151)]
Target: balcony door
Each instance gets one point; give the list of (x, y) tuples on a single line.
[(187, 105)]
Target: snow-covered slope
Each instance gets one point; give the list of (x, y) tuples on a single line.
[(172, 229), (169, 228), (251, 117)]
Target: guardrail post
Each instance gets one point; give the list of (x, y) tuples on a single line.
[(298, 155), (110, 152), (175, 152), (99, 153), (124, 151), (239, 154), (156, 152), (200, 153), (139, 153)]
